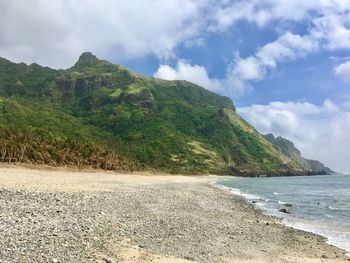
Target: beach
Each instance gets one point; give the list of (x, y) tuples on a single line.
[(65, 215)]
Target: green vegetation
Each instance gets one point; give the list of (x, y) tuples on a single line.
[(116, 93), (99, 112), (44, 134)]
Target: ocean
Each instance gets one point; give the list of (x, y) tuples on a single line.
[(318, 204)]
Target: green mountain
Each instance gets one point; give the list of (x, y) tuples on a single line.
[(103, 115), (288, 148)]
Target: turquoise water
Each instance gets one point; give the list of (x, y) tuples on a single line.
[(320, 204)]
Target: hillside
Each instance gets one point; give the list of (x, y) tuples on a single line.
[(103, 115), (313, 167)]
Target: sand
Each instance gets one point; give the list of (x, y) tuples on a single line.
[(64, 215)]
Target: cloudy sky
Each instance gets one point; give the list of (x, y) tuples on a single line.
[(285, 63)]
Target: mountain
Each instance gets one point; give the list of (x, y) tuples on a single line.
[(318, 168), (103, 115), (313, 167)]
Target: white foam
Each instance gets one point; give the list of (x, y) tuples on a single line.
[(340, 239), (238, 192), (338, 209)]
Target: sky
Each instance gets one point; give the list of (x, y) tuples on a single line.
[(285, 63)]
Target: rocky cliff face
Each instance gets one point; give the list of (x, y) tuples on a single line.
[(312, 167), (316, 167)]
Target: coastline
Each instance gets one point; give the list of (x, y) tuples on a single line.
[(60, 215), (297, 223)]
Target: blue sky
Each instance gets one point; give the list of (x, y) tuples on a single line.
[(310, 78), (286, 63)]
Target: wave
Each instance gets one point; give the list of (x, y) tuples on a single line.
[(339, 238), (338, 209), (236, 191)]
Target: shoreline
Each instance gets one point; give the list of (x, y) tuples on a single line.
[(96, 216), (298, 224)]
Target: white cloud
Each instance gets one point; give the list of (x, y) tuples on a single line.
[(343, 71), (287, 47), (319, 131), (183, 70), (258, 12), (329, 28), (248, 69), (329, 19), (333, 30), (55, 32), (263, 12)]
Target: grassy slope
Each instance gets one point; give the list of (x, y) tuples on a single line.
[(173, 126)]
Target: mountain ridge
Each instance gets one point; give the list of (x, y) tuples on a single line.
[(149, 123), (313, 167)]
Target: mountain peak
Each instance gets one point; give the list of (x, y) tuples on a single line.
[(87, 59)]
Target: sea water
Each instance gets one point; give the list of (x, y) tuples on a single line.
[(319, 204)]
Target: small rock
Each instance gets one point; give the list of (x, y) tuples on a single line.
[(288, 205), (54, 260), (284, 210), (109, 260)]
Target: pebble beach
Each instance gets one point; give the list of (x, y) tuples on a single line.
[(61, 215)]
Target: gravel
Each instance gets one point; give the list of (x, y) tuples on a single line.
[(189, 221)]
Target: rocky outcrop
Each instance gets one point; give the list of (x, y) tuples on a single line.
[(316, 167), (311, 167), (86, 59)]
